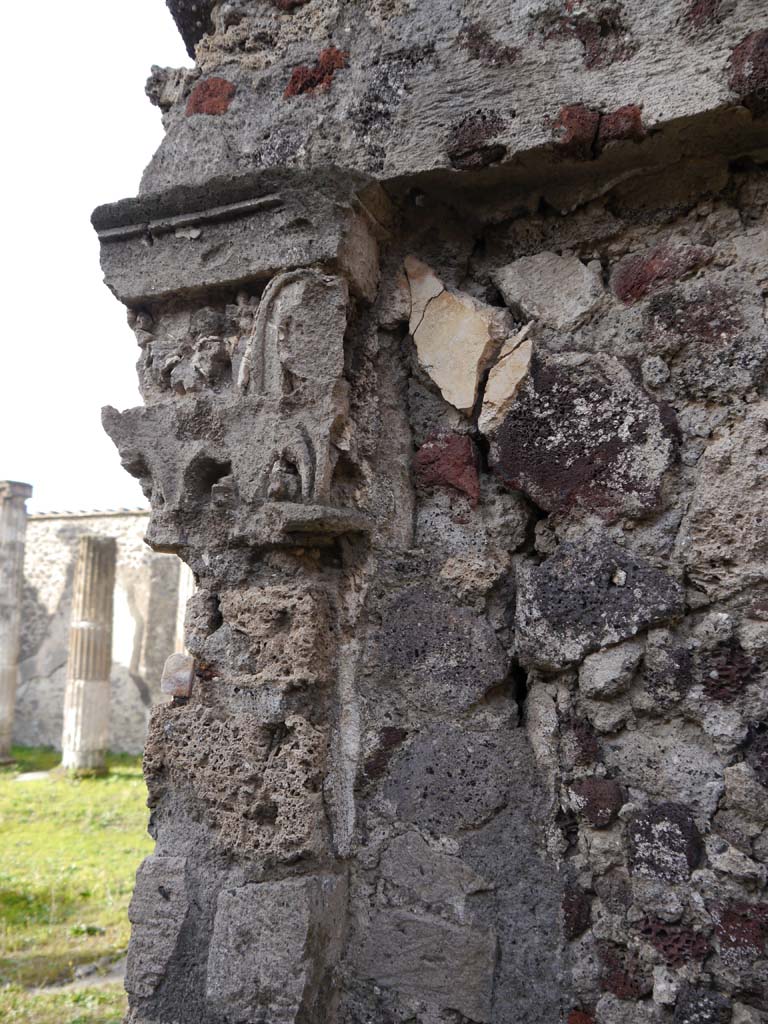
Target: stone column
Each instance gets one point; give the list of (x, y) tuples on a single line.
[(13, 527), (186, 590), (86, 701)]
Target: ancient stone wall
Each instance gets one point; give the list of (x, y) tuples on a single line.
[(452, 331), (144, 626)]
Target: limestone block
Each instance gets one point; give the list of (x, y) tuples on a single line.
[(744, 792), (669, 762), (585, 597), (504, 380), (723, 539), (560, 291), (456, 336), (274, 948), (581, 432), (157, 911), (607, 716), (203, 238), (428, 876), (178, 675), (431, 960), (609, 672), (727, 860)]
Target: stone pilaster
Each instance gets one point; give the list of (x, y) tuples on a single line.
[(86, 702), (13, 527)]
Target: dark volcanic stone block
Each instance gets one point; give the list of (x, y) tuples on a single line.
[(586, 597), (665, 842), (582, 432)]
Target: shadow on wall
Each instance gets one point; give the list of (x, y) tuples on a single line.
[(144, 628)]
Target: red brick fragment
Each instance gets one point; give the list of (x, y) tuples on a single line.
[(308, 80), (748, 71), (623, 124), (579, 1017), (449, 460), (211, 96), (576, 131), (678, 944), (635, 276)]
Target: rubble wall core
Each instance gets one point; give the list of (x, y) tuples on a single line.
[(452, 342)]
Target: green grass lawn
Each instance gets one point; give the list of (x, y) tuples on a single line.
[(69, 853), (87, 1006)]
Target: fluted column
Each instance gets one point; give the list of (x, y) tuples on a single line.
[(13, 528), (186, 590), (87, 698)]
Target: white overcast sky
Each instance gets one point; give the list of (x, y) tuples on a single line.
[(78, 132)]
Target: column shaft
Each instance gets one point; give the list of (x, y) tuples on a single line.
[(13, 526), (87, 698), (186, 590)]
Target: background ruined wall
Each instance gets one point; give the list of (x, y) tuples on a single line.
[(144, 630), (464, 439)]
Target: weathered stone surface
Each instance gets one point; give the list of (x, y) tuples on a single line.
[(665, 842), (201, 238), (748, 76), (607, 673), (280, 634), (178, 675), (427, 959), (433, 652), (581, 433), (456, 336), (676, 763), (504, 380), (584, 598), (634, 277), (256, 785), (724, 536), (701, 1006), (273, 949), (449, 779), (428, 876), (157, 912), (560, 291), (449, 460), (598, 799), (709, 337), (388, 648), (741, 932)]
